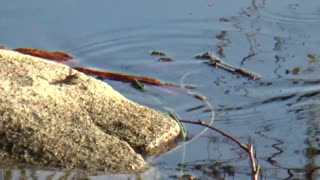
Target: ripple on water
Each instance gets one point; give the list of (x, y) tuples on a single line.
[(293, 26), (267, 36), (285, 18), (183, 37), (294, 18), (291, 12)]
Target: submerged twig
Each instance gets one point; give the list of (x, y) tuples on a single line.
[(195, 108), (127, 77), (255, 168)]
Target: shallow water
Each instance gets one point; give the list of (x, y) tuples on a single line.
[(279, 112)]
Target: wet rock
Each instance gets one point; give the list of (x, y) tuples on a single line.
[(52, 117)]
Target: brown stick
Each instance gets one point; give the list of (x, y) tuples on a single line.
[(50, 55), (255, 169), (233, 69), (126, 77), (218, 63)]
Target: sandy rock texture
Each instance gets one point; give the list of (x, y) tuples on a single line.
[(51, 117)]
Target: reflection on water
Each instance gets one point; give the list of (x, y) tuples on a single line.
[(277, 40)]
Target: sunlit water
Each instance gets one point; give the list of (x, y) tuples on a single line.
[(277, 40)]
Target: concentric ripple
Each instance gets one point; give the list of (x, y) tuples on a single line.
[(181, 37), (292, 12)]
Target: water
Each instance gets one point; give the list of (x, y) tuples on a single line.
[(271, 38)]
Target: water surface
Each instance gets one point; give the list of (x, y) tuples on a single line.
[(277, 40)]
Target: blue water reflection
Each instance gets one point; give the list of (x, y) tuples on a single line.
[(271, 38)]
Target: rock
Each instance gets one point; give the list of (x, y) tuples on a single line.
[(54, 118)]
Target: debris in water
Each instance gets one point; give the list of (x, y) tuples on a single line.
[(295, 70), (50, 55), (313, 58), (218, 63), (195, 108), (158, 53), (127, 77), (138, 85), (222, 35), (207, 55), (247, 73), (165, 59)]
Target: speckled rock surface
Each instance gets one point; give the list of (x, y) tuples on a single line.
[(49, 118)]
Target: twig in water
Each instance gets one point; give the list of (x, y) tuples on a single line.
[(255, 168), (218, 63), (127, 77), (195, 108), (247, 73)]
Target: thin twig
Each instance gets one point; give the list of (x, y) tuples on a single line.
[(202, 123), (218, 63), (127, 77), (255, 168)]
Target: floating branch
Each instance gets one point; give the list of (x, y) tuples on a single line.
[(127, 77), (255, 167), (209, 56), (221, 65), (218, 63), (247, 73), (50, 55)]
